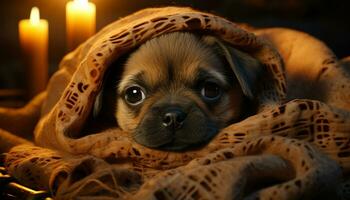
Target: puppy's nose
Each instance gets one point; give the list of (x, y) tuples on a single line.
[(174, 118)]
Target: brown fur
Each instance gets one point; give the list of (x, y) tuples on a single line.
[(183, 54)]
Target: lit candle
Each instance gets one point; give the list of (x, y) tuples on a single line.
[(81, 22), (33, 36)]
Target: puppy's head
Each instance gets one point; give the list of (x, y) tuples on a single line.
[(178, 90)]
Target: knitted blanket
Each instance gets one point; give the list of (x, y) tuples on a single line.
[(296, 147)]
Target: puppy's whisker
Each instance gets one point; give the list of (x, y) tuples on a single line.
[(218, 76)]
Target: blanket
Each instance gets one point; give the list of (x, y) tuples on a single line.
[(297, 146)]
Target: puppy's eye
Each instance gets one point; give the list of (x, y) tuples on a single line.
[(210, 91), (134, 95)]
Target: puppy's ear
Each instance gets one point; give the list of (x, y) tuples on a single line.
[(98, 104), (105, 102), (245, 67)]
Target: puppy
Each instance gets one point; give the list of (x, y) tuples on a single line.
[(178, 90)]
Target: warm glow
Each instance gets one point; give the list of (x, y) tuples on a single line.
[(33, 36), (35, 16), (81, 22)]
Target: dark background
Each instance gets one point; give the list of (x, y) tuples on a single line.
[(328, 20)]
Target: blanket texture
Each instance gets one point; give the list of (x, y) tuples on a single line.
[(296, 147)]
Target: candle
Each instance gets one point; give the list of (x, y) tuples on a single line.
[(33, 36), (81, 20)]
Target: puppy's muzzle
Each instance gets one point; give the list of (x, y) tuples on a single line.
[(174, 124), (174, 118)]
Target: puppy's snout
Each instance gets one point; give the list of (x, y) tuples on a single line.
[(173, 118)]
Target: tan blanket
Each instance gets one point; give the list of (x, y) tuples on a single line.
[(291, 149)]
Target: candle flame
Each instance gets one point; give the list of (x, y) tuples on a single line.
[(35, 16), (81, 2)]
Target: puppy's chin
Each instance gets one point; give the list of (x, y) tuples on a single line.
[(175, 141), (196, 131)]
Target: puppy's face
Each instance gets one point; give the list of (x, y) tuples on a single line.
[(176, 92)]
